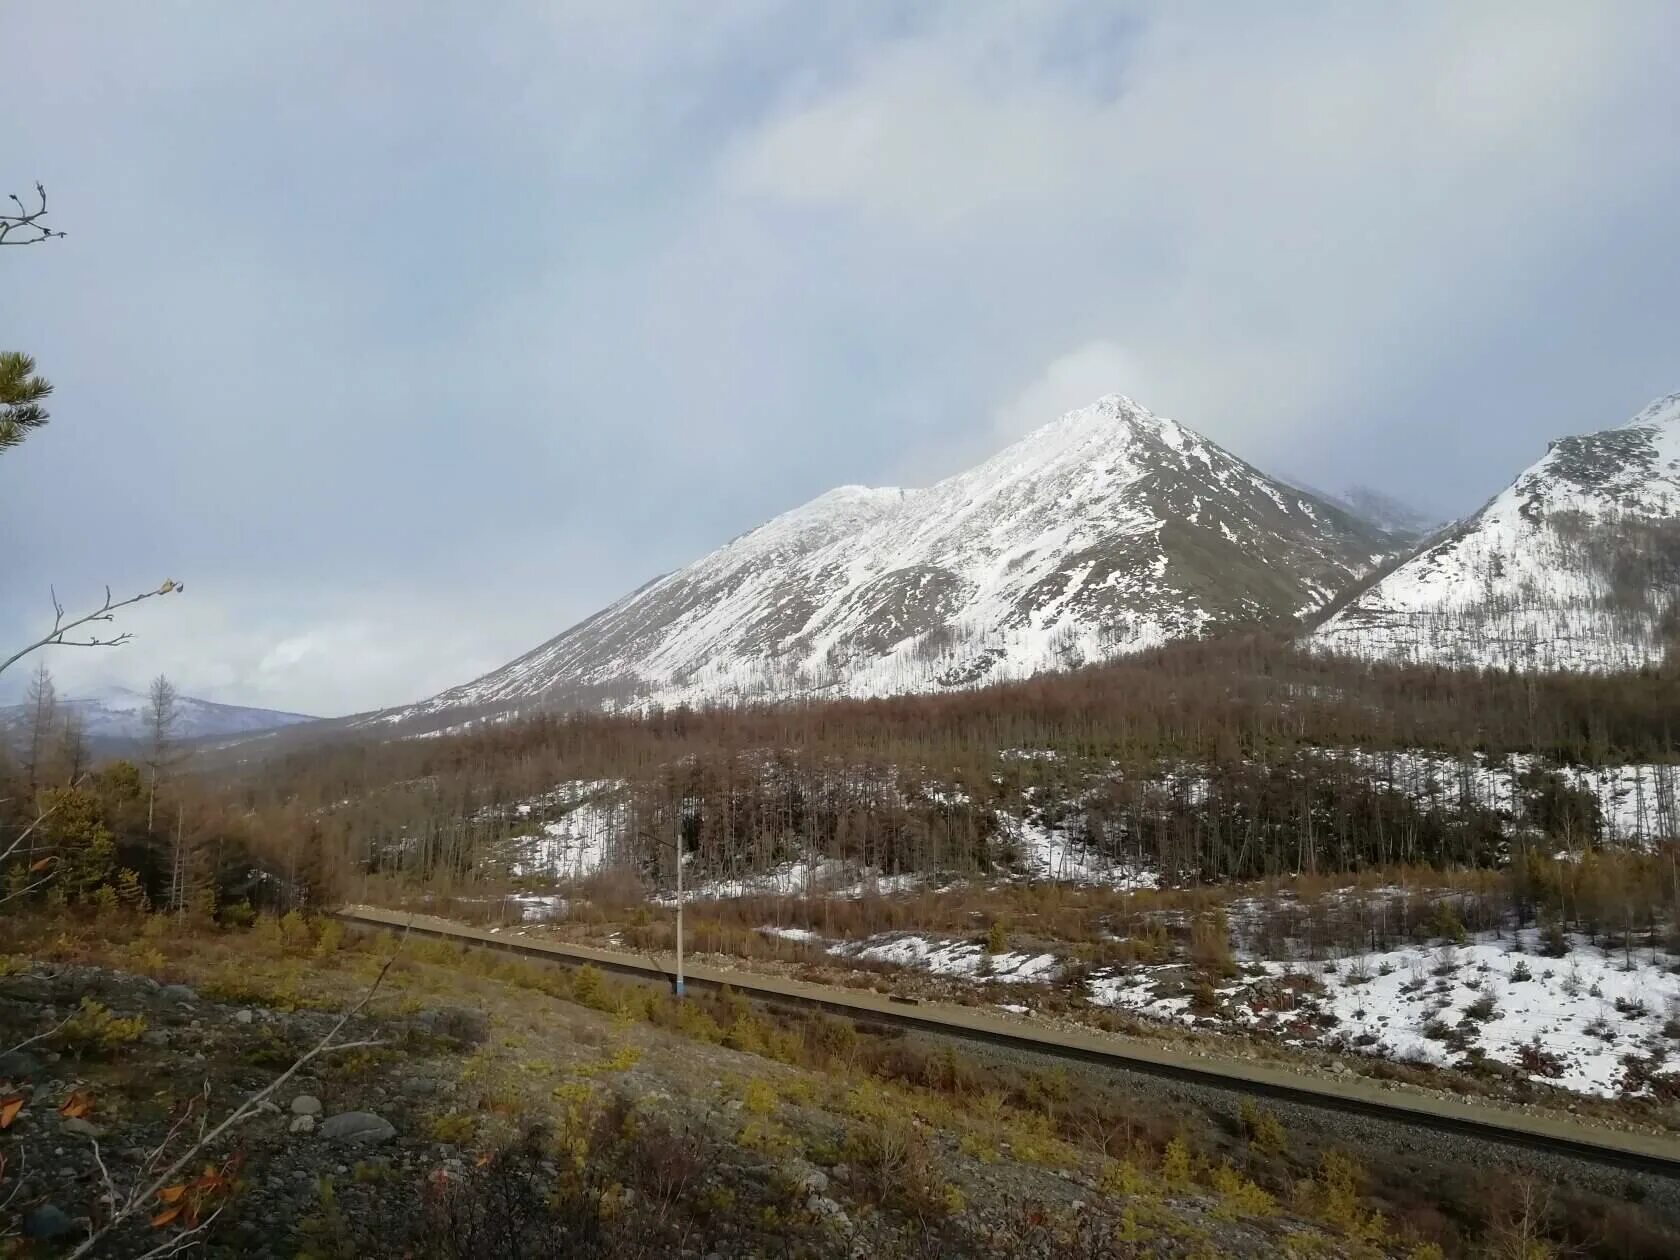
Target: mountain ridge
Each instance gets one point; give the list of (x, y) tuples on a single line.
[(116, 713), (1107, 530), (1574, 565)]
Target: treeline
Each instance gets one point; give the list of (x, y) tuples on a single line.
[(1204, 761)]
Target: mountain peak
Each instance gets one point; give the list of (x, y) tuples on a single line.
[(1661, 411), (1104, 531)]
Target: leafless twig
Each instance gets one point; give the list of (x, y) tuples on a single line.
[(29, 1041), (327, 1044), (27, 221), (61, 627), (112, 1198)]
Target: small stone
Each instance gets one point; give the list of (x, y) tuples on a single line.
[(47, 1220), (243, 1017), (306, 1105), (362, 1127), (302, 1124), (80, 1127), (18, 1065)]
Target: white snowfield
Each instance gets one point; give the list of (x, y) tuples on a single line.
[(1094, 536), (1530, 582)]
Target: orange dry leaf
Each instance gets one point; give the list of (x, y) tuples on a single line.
[(172, 1194), (78, 1105), (9, 1108), (167, 1216), (42, 865)]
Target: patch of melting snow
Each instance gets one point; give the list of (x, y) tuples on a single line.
[(820, 877), (942, 957), (1569, 1021)]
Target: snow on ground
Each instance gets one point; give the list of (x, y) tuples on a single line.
[(951, 958), (1061, 853), (583, 836), (1565, 1021), (941, 957), (1638, 801), (819, 877)]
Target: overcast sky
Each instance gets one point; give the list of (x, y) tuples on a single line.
[(408, 334)]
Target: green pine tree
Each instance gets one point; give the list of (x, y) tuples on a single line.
[(21, 395)]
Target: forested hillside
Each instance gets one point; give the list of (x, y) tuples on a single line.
[(1225, 759)]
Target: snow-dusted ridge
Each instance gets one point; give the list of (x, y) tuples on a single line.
[(1575, 565), (1106, 531), (119, 713)]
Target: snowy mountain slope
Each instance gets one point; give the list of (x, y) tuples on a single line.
[(1106, 531), (1383, 512), (118, 713), (1576, 565), (1386, 512)]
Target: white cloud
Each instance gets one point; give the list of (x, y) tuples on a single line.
[(402, 381), (1072, 380), (1272, 209)]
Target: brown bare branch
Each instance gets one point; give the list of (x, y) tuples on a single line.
[(27, 222), (61, 627)]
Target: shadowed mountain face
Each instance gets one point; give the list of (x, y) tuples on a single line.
[(1106, 531), (1575, 565)]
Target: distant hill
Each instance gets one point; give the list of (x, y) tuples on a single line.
[(113, 714)]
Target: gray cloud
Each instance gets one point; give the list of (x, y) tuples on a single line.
[(409, 338)]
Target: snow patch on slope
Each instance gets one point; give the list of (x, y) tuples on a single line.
[(1571, 567)]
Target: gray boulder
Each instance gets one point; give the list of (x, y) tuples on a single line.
[(46, 1220), (361, 1127), (458, 1024)]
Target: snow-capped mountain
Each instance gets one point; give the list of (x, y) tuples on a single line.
[(1106, 531), (112, 713), (1576, 565)]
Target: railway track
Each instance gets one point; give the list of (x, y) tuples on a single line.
[(1503, 1126)]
